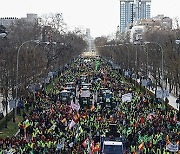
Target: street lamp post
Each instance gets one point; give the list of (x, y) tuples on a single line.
[(178, 99), (17, 73), (126, 44), (147, 60), (48, 43), (39, 43), (127, 51), (162, 64), (136, 61)]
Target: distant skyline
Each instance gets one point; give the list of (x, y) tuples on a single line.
[(101, 16)]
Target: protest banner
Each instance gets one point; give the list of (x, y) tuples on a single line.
[(127, 97), (172, 147)]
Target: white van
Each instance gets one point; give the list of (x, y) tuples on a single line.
[(112, 147)]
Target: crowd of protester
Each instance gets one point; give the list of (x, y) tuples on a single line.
[(146, 125)]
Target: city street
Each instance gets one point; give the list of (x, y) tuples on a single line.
[(105, 107), (90, 77)]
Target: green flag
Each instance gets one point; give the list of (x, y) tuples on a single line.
[(97, 65)]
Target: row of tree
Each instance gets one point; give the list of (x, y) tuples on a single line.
[(55, 48), (146, 58)]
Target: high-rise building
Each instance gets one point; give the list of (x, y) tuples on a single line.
[(133, 10), (144, 9), (126, 13)]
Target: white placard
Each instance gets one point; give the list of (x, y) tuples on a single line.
[(144, 82), (12, 104), (172, 147), (160, 93), (85, 93), (166, 93), (126, 73), (127, 97)]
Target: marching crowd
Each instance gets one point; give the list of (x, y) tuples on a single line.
[(145, 124)]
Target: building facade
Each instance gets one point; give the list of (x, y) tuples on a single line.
[(133, 10), (126, 13), (159, 22), (7, 21), (90, 41)]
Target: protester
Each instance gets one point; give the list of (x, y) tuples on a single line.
[(56, 127)]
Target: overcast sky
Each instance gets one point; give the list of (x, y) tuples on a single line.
[(101, 16)]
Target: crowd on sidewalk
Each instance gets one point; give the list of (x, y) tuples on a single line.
[(146, 125)]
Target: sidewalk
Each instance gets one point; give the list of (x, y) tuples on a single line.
[(172, 99)]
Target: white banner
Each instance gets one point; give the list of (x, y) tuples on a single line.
[(166, 93), (13, 103), (160, 93), (126, 73), (72, 124), (172, 147), (127, 97), (85, 93), (50, 74), (60, 146), (47, 80), (144, 82), (75, 106)]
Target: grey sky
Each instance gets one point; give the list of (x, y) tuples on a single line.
[(101, 16)]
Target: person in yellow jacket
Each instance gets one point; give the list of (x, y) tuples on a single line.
[(132, 149)]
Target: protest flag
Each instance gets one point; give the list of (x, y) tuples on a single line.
[(142, 120), (75, 106), (167, 140), (141, 146), (85, 143), (63, 120), (92, 108), (84, 115), (76, 117), (74, 120), (26, 123), (150, 116), (97, 65), (96, 148), (175, 119), (72, 124)]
